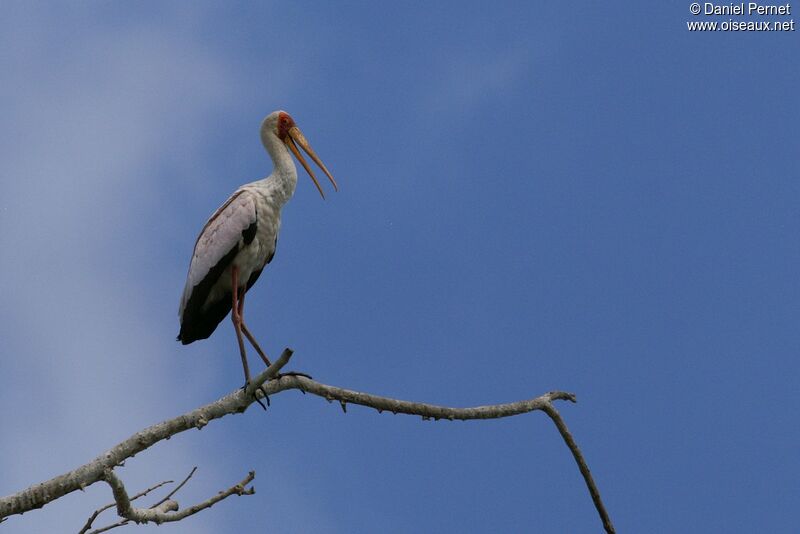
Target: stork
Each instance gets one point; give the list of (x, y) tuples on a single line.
[(239, 240)]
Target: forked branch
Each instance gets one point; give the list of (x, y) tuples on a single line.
[(268, 383), (99, 511), (167, 510), (124, 522)]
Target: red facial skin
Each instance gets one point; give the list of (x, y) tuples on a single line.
[(285, 122)]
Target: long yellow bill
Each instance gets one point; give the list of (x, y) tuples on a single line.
[(296, 135)]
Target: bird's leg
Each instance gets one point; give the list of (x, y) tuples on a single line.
[(237, 309), (237, 321), (253, 342), (237, 314), (247, 333)]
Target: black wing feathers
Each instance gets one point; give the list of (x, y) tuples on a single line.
[(255, 274), (198, 323), (200, 316), (249, 233)]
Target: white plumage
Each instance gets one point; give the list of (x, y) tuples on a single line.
[(239, 240)]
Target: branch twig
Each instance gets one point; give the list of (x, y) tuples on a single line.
[(177, 488), (550, 410), (424, 410), (167, 511), (99, 511), (124, 522)]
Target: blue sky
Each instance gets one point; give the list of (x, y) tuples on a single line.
[(580, 196)]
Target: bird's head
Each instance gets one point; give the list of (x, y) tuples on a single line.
[(282, 125)]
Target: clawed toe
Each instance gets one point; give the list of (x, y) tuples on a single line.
[(293, 373), (264, 394), (255, 394)]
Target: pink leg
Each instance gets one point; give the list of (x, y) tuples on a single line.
[(247, 333), (240, 313), (236, 317)]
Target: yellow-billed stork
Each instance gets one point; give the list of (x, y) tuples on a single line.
[(239, 240)]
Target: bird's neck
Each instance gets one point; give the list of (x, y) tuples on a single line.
[(283, 180)]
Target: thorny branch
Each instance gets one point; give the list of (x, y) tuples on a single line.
[(269, 382)]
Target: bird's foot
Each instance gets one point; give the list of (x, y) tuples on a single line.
[(255, 394), (264, 394)]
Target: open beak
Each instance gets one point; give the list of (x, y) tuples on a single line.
[(295, 135)]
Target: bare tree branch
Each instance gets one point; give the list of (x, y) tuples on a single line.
[(111, 526), (177, 488), (426, 411), (99, 511), (106, 528), (40, 494), (550, 410), (269, 382), (167, 511)]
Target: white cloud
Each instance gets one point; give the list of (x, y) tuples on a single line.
[(87, 361)]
